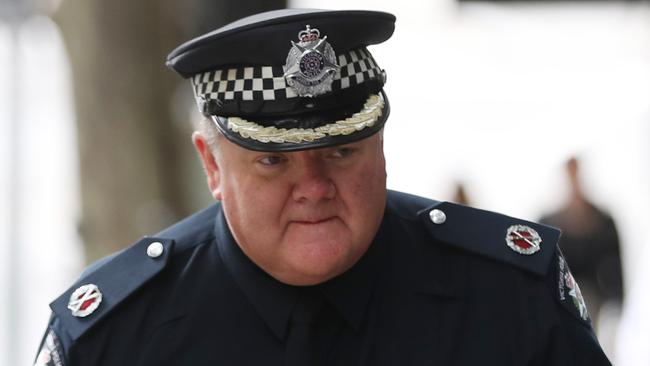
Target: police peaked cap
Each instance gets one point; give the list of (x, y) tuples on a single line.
[(290, 79)]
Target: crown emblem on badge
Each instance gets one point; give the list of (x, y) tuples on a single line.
[(311, 64), (309, 35)]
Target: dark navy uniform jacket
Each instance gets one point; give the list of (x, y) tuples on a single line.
[(423, 294)]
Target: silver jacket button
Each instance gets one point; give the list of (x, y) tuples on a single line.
[(155, 249), (437, 217)]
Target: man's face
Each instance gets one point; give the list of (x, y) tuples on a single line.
[(303, 217)]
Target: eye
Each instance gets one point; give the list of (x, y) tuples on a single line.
[(270, 160), (343, 152)]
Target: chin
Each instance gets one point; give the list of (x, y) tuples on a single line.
[(314, 269), (308, 279)]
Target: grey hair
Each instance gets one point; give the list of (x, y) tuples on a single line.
[(207, 128)]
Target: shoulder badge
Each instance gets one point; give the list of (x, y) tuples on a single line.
[(83, 305), (85, 300), (51, 352), (521, 243), (568, 291), (523, 239)]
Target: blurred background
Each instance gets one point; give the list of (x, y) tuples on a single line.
[(536, 109)]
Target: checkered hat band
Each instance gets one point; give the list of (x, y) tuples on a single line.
[(268, 83)]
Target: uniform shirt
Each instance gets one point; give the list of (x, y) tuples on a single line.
[(451, 293)]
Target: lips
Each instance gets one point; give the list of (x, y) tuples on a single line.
[(313, 221)]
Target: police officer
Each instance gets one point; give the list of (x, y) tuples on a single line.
[(307, 259)]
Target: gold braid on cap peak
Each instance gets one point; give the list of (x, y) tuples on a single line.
[(372, 110)]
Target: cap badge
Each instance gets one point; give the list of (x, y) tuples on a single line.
[(311, 64), (85, 300), (523, 239)]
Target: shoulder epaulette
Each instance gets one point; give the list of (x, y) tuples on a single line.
[(521, 243), (109, 282)]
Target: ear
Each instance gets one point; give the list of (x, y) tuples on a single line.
[(210, 164)]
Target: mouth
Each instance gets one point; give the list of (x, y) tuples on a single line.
[(314, 221)]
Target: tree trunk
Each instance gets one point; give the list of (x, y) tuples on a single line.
[(138, 171)]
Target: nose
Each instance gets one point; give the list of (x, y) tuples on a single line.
[(313, 183)]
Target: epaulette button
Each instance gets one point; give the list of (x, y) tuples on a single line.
[(438, 217), (155, 249)]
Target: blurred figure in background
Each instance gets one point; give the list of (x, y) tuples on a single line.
[(590, 244), (460, 194)]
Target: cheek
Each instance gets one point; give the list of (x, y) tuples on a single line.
[(254, 203), (372, 177), (362, 190)]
